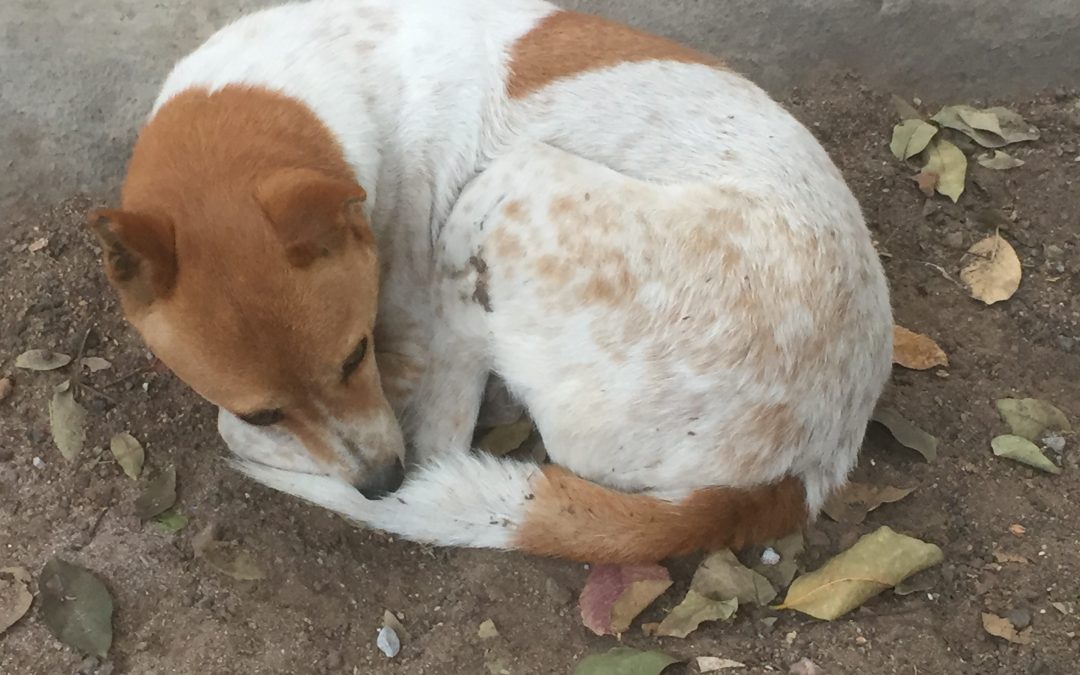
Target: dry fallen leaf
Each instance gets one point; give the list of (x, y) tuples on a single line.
[(906, 433), (1031, 418), (999, 161), (694, 610), (927, 182), (721, 577), (916, 351), (991, 127), (158, 496), (15, 596), (789, 548), (877, 561), (804, 666), (1003, 628), (6, 387), (41, 359), (949, 164), (711, 664), (1017, 530), (910, 137), (851, 503), (128, 453), (1006, 557), (95, 363), (1020, 449), (66, 421), (625, 661), (994, 273), (76, 607), (506, 438), (615, 594)]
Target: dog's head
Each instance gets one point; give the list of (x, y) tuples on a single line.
[(262, 297)]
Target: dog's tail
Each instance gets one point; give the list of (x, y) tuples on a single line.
[(480, 501)]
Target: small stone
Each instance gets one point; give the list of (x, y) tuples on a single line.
[(1066, 343), (487, 630), (1054, 442), (37, 462), (1020, 618), (5, 388), (789, 639), (954, 239), (388, 642), (1053, 252), (770, 557)]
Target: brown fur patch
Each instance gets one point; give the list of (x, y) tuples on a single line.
[(565, 44), (572, 518)]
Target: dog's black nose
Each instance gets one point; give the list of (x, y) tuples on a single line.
[(382, 480)]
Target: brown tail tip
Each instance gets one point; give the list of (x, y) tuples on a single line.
[(572, 518)]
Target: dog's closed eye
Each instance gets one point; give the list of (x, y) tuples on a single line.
[(354, 360), (263, 418)]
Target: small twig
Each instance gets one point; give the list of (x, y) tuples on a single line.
[(933, 266), (100, 394), (76, 380), (92, 532), (124, 378)]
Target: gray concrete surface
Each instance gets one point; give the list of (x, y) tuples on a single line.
[(77, 76)]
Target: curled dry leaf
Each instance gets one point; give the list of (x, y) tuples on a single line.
[(76, 607), (129, 453), (877, 561), (506, 438), (625, 661), (721, 577), (916, 351), (1003, 628), (15, 595), (999, 161), (158, 496), (694, 610), (615, 594), (95, 363), (994, 273), (906, 433), (41, 359), (1004, 557), (990, 127), (948, 163), (1020, 449), (67, 420), (851, 503), (1031, 418), (711, 664), (911, 137)]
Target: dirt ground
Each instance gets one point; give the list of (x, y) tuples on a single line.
[(329, 583)]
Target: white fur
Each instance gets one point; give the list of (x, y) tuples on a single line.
[(415, 92)]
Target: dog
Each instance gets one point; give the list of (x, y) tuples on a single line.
[(343, 215)]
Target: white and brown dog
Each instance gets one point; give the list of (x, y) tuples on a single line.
[(343, 214)]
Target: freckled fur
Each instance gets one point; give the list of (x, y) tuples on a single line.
[(675, 279)]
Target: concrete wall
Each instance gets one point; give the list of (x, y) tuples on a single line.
[(76, 76)]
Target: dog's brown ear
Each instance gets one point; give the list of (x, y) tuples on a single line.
[(313, 214), (139, 253)]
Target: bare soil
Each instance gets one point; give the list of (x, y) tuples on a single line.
[(329, 583)]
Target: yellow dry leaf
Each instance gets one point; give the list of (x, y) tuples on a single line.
[(994, 272), (1003, 628), (877, 561), (949, 164), (916, 351)]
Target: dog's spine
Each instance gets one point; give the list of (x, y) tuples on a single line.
[(483, 502)]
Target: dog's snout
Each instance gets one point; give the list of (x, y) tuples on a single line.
[(382, 480)]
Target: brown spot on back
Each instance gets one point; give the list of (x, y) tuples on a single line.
[(514, 210), (575, 519), (565, 44)]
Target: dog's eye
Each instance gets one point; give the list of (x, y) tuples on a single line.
[(263, 418), (354, 360)]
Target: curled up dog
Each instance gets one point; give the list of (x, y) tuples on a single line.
[(342, 215)]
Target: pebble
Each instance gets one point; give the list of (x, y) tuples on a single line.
[(487, 630), (770, 557), (38, 463), (1055, 442), (1066, 343), (388, 642), (1020, 618), (954, 239)]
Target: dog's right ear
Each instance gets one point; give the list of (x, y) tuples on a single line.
[(139, 254)]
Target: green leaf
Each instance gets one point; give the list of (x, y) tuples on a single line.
[(1020, 449), (129, 454), (67, 420), (76, 607), (906, 433), (694, 610), (1031, 417), (171, 521), (911, 137), (999, 161), (625, 661), (877, 561), (158, 495), (41, 359), (948, 163)]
